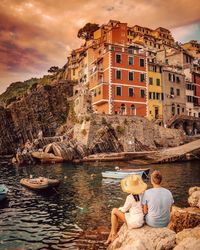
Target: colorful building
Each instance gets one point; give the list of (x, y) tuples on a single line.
[(155, 91), (118, 80), (174, 93)]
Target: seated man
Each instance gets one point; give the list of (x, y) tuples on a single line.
[(157, 203)]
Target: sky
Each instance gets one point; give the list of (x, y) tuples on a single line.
[(38, 34)]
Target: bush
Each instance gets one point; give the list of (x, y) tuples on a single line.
[(87, 118), (103, 121), (125, 121), (120, 130)]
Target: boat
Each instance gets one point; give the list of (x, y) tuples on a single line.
[(39, 183), (46, 157), (122, 173), (3, 192)]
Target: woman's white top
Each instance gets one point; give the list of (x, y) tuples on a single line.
[(133, 212)]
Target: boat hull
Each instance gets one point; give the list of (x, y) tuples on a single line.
[(3, 192), (120, 174), (48, 183)]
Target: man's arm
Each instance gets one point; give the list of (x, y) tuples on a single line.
[(145, 209)]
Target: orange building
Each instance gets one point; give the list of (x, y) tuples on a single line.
[(118, 79)]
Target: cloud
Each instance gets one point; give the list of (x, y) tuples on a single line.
[(187, 33), (36, 34)]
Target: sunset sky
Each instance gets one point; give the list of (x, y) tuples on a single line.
[(37, 34)]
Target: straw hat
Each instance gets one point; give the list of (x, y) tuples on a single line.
[(133, 184)]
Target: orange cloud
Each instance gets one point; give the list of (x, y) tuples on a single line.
[(37, 34)]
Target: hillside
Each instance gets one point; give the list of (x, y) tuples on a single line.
[(17, 90)]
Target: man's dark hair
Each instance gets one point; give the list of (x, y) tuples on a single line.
[(156, 177)]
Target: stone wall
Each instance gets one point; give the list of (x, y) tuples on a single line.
[(133, 133)]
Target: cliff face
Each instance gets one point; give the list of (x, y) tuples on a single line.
[(43, 109)]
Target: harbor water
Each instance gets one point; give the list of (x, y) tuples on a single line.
[(58, 219)]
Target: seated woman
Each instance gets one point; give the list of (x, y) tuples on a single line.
[(131, 213)]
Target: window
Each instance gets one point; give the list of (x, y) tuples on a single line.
[(178, 92), (158, 82), (142, 93), (130, 51), (169, 77), (118, 58), (150, 95), (183, 110), (154, 95), (141, 62), (150, 80), (130, 60), (162, 96), (118, 91), (142, 78), (174, 78), (171, 91), (130, 76), (118, 74), (130, 92), (158, 96), (177, 79)]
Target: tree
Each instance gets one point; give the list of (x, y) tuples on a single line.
[(54, 69), (87, 31)]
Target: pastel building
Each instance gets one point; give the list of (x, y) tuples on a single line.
[(155, 91), (118, 80), (174, 93)]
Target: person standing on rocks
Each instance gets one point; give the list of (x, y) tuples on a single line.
[(157, 203), (131, 213)]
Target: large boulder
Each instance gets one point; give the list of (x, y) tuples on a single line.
[(186, 233), (145, 238), (183, 218), (194, 198), (193, 189), (189, 243), (188, 239)]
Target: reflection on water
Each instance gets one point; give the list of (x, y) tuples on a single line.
[(83, 201)]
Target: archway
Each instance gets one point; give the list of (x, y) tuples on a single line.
[(123, 109), (133, 109)]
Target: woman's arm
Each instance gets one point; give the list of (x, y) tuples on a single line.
[(127, 205)]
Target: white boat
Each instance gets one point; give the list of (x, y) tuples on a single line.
[(122, 173), (39, 183), (3, 192)]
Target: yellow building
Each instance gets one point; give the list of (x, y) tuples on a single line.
[(155, 98)]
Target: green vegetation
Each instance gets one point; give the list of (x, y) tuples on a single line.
[(120, 130), (87, 118), (103, 121), (16, 90)]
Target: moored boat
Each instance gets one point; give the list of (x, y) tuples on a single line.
[(122, 173), (39, 183), (3, 192)]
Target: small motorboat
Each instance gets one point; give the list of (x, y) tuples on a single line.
[(39, 183), (122, 173), (3, 192)]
